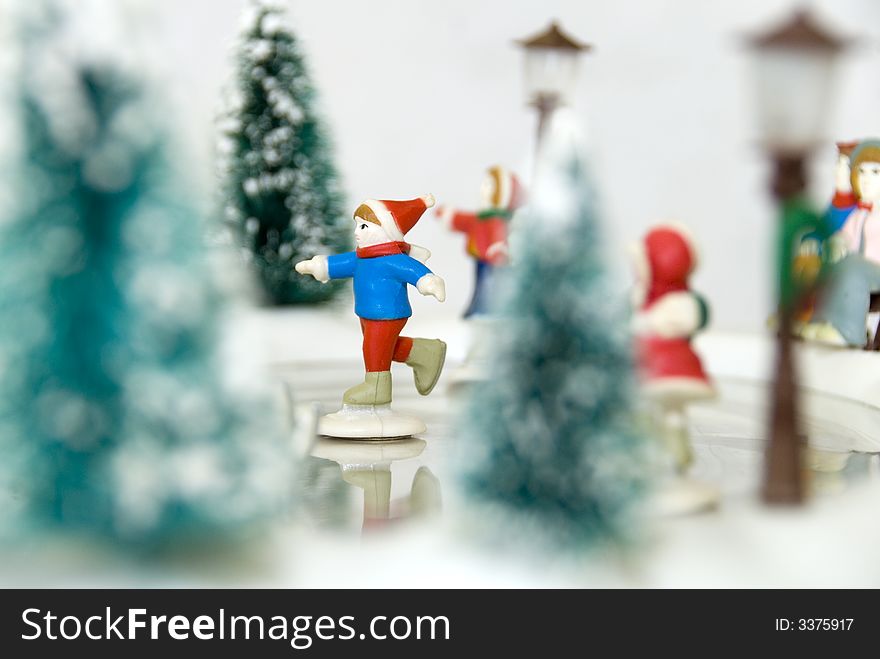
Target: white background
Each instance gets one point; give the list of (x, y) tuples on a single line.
[(422, 95)]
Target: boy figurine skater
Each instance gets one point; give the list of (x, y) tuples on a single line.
[(381, 267)]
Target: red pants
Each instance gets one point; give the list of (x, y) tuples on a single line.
[(383, 343)]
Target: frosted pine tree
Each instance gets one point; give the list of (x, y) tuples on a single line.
[(115, 419), (554, 449), (282, 194)]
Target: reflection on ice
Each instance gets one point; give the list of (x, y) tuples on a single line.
[(730, 437), (367, 466)]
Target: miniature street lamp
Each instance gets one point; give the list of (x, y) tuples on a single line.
[(551, 69), (795, 74)]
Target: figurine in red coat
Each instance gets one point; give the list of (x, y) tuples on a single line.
[(667, 315), (486, 230)]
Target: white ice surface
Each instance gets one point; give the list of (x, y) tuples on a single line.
[(830, 542)]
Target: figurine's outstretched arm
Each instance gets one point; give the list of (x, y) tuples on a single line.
[(316, 267), (498, 252), (675, 315), (324, 268), (456, 220), (431, 284), (417, 274)]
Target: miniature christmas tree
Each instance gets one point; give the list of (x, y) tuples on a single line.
[(116, 421), (282, 192), (554, 444)]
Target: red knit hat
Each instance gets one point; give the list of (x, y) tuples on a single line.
[(398, 217), (846, 148)]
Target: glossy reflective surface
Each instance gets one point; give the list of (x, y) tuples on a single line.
[(387, 514), (728, 435)]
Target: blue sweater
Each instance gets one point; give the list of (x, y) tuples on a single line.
[(379, 283), (837, 217)]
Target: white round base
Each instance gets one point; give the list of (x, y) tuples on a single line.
[(684, 496), (354, 452), (369, 422)]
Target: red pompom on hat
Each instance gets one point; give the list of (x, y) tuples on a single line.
[(398, 217)]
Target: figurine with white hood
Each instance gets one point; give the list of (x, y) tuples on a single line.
[(667, 315)]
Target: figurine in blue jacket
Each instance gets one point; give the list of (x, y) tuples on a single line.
[(381, 267)]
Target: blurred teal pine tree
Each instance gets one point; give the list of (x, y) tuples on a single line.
[(554, 448), (114, 417)]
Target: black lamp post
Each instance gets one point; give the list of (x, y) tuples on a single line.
[(552, 60), (795, 73)]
